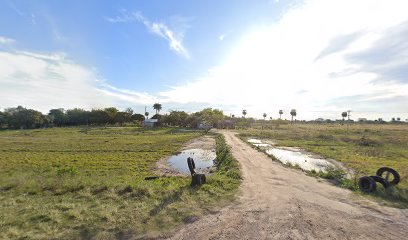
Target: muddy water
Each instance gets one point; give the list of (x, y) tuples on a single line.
[(258, 143), (294, 156), (304, 160), (203, 159)]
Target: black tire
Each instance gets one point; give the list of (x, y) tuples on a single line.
[(395, 180), (381, 180), (367, 184), (198, 179), (201, 179)]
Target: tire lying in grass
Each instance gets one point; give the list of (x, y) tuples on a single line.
[(389, 171), (367, 184), (381, 180), (198, 179)]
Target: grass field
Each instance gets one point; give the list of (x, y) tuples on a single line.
[(361, 147), (69, 183)]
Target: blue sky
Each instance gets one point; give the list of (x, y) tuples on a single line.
[(256, 55)]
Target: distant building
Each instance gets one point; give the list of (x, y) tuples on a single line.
[(150, 122), (362, 119)]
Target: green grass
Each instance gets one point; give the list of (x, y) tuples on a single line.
[(363, 147), (89, 182)]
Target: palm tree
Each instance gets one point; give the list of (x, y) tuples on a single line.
[(244, 112), (293, 113), (280, 114), (344, 115), (157, 107), (264, 115)]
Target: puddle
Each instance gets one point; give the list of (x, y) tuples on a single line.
[(304, 160), (202, 158), (258, 143), (295, 156), (254, 141), (261, 145)]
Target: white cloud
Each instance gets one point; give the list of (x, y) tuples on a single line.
[(50, 80), (33, 19), (276, 66), (158, 28), (6, 41)]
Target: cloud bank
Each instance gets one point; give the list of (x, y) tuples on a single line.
[(6, 41), (50, 80), (321, 57)]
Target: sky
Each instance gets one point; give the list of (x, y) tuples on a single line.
[(320, 57)]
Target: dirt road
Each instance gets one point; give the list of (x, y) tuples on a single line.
[(280, 203)]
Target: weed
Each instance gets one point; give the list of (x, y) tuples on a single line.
[(89, 183), (67, 171)]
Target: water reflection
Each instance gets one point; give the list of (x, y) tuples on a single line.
[(294, 156), (202, 158)]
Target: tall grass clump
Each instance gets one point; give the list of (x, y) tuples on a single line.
[(226, 164)]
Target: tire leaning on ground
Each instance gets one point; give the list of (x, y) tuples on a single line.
[(381, 180), (388, 171), (367, 184), (199, 179)]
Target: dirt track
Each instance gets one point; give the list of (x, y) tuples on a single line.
[(281, 203)]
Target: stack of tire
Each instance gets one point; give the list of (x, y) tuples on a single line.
[(197, 179), (368, 184)]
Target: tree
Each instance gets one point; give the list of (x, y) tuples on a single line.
[(21, 117), (233, 115), (344, 115), (157, 107), (280, 114), (128, 114), (78, 116), (138, 117), (210, 116), (2, 119), (264, 116), (57, 117), (111, 111), (175, 118), (244, 112), (293, 113), (98, 117)]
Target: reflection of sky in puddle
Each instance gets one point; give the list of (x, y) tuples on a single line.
[(202, 159), (255, 141), (261, 145), (258, 143), (304, 160)]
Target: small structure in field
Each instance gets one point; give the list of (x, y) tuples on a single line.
[(150, 122)]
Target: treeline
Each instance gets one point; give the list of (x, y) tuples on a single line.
[(23, 118)]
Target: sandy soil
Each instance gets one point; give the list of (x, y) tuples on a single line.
[(205, 142), (282, 203)]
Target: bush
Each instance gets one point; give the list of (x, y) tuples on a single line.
[(67, 171)]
